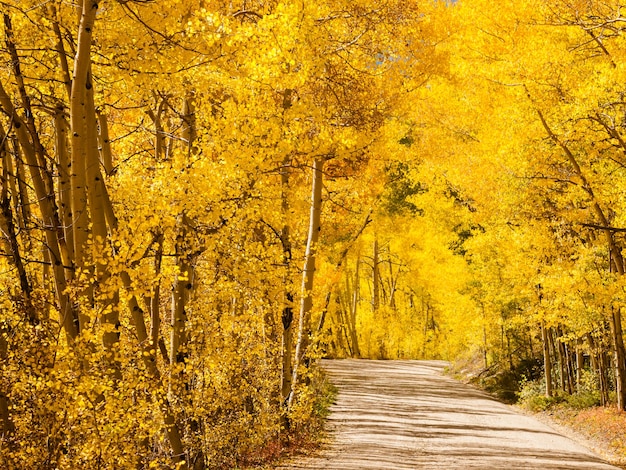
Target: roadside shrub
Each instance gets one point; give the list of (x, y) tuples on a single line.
[(532, 396), (583, 400)]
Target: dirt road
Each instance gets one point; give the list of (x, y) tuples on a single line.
[(407, 415)]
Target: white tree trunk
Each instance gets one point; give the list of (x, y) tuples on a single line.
[(308, 274)]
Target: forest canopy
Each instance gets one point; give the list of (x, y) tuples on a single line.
[(199, 199)]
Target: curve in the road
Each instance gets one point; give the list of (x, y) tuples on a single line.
[(408, 415)]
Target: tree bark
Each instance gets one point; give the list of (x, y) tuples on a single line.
[(60, 47), (560, 357), (7, 226), (354, 305), (63, 180), (308, 274), (287, 311), (184, 281), (80, 119), (618, 357), (183, 285), (104, 142), (547, 361), (579, 365), (155, 299), (6, 420), (375, 278)]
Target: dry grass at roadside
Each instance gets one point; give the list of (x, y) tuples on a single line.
[(604, 428)]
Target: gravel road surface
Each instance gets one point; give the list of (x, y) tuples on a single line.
[(407, 415)]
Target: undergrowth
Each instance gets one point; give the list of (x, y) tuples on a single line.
[(302, 436), (532, 394)]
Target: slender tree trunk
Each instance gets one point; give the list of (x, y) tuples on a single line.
[(579, 365), (547, 361), (598, 366), (308, 274), (343, 329), (56, 244), (63, 181), (603, 368), (618, 357), (560, 354), (424, 307), (485, 343), (287, 343), (155, 299), (62, 54), (7, 427), (183, 285), (593, 353), (354, 305), (375, 278), (393, 283), (184, 281), (95, 195), (554, 354), (19, 191), (81, 120), (104, 141), (615, 320), (567, 356), (160, 149), (509, 352), (288, 299)]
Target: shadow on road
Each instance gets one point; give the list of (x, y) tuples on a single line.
[(407, 415)]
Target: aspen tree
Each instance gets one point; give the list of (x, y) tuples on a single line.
[(346, 83), (7, 426), (81, 120), (56, 246), (354, 303), (104, 142), (148, 356), (155, 299), (308, 275), (183, 285), (9, 232), (87, 185), (616, 265), (375, 277), (287, 315), (64, 180), (184, 281), (19, 189)]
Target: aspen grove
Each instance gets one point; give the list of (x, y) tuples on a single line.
[(199, 199)]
